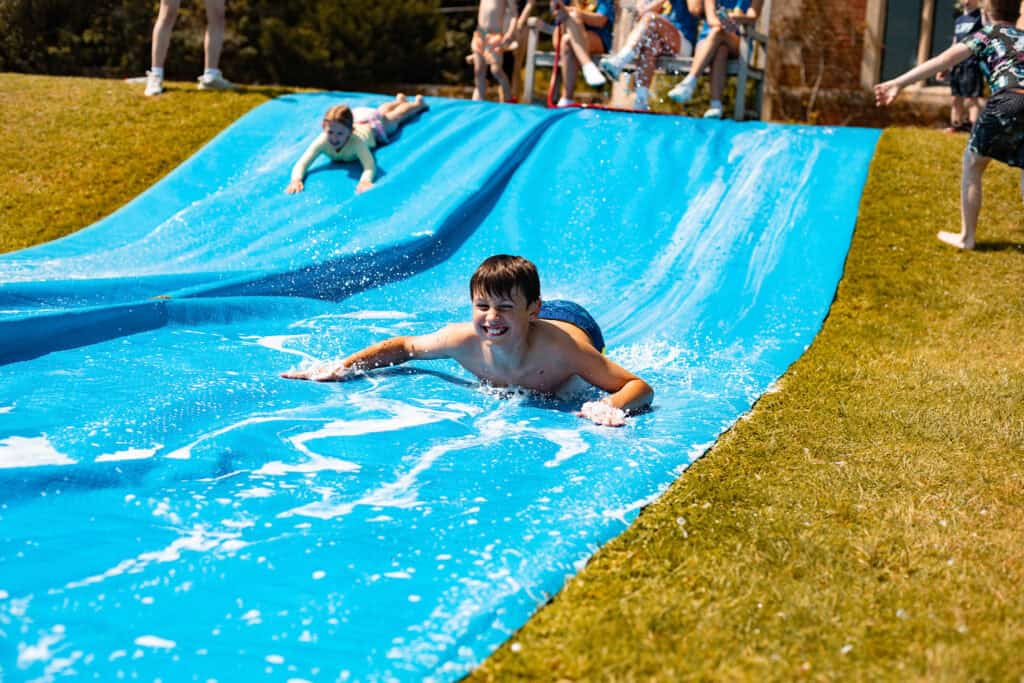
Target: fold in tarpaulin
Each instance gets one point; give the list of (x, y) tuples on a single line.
[(168, 500)]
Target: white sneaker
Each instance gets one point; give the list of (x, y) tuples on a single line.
[(154, 84), (215, 81), (610, 66), (593, 76), (713, 113), (564, 102), (683, 92)]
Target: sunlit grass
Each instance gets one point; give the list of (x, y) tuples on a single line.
[(865, 522)]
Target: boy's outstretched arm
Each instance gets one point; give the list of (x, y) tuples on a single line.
[(627, 392), (886, 92), (394, 351)]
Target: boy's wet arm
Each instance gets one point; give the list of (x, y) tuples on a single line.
[(626, 391)]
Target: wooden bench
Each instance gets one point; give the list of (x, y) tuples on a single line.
[(748, 66)]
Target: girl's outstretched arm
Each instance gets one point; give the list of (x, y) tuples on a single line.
[(886, 92)]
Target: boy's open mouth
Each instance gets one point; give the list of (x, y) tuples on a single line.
[(495, 330)]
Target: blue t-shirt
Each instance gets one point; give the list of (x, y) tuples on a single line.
[(605, 8), (966, 25), (1000, 50), (741, 5), (679, 14)]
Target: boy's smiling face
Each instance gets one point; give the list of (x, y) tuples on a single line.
[(337, 133), (503, 318)]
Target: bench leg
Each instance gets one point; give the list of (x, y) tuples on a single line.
[(531, 67)]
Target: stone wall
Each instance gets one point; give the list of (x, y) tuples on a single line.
[(815, 65)]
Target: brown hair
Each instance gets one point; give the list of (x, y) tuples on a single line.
[(501, 275), (1003, 10), (340, 113)]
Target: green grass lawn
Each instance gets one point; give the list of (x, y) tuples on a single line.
[(864, 522)]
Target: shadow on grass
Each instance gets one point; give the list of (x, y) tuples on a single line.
[(1000, 246)]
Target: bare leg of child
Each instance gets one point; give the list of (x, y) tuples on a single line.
[(402, 112), (387, 107), (162, 30), (973, 109), (970, 202), (479, 76), (956, 113), (505, 94), (569, 66)]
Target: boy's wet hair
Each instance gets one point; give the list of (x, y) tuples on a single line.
[(1003, 10), (501, 275), (340, 113)]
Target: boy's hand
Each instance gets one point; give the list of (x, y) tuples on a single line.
[(294, 186), (324, 372), (601, 413), (363, 186), (885, 93)]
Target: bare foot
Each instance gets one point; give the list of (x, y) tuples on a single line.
[(400, 97), (955, 239), (420, 103)]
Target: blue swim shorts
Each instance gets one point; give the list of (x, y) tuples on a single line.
[(574, 314)]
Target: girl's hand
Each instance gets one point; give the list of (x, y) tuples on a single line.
[(601, 413), (885, 93), (294, 186), (363, 186)]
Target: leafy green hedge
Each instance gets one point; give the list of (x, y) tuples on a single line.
[(317, 43)]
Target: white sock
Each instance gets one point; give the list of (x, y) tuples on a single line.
[(716, 104), (690, 78), (212, 73), (157, 71), (642, 96)]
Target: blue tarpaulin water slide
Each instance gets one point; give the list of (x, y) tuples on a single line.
[(170, 504)]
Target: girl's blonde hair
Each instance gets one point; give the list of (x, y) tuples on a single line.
[(340, 113)]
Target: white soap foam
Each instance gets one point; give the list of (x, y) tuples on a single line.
[(155, 642), (199, 539), (256, 492), (316, 464), (40, 651), (35, 451), (130, 454), (376, 315), (277, 343)]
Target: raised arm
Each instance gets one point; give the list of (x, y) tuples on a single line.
[(886, 92), (395, 351)]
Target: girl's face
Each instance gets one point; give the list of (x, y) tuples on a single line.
[(337, 133)]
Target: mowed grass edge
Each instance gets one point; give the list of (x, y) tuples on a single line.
[(863, 522)]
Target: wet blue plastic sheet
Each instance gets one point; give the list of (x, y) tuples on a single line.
[(169, 501)]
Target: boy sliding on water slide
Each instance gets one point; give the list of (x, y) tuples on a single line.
[(999, 131), (496, 30), (513, 339), (350, 134)]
